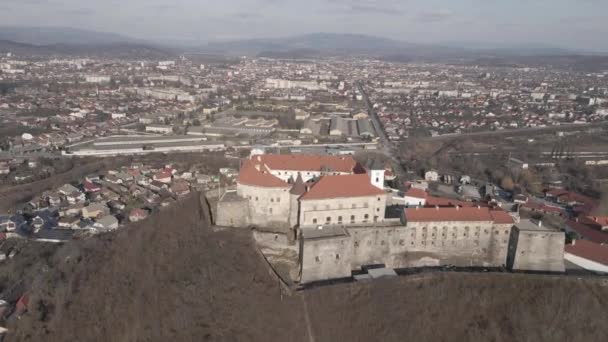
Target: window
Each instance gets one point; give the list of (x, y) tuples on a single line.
[(375, 218), (352, 219), (366, 216), (270, 210), (365, 205), (339, 219), (317, 259), (327, 207), (314, 221), (328, 219), (354, 206), (377, 179), (401, 242), (356, 244), (337, 256), (278, 199), (382, 243), (256, 198), (272, 200)]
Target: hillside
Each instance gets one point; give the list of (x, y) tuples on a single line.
[(173, 278)]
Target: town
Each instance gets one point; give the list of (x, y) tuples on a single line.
[(341, 169)]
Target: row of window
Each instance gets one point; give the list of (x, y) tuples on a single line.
[(341, 206), (423, 243), (272, 199), (353, 219)]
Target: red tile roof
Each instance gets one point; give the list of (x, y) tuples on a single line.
[(250, 175), (475, 214), (416, 193), (589, 250), (595, 221), (358, 185), (307, 162), (587, 232)]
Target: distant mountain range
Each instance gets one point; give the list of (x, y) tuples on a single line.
[(69, 41), (61, 35)]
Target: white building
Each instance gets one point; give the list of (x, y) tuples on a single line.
[(431, 176), (163, 129)]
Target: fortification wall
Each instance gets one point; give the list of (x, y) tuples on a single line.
[(233, 213), (541, 250), (325, 258), (267, 206), (415, 245)]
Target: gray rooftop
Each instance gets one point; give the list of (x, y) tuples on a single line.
[(527, 225), (323, 232)]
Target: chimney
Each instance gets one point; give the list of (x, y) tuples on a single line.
[(573, 242)]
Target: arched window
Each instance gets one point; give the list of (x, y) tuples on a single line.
[(352, 219)]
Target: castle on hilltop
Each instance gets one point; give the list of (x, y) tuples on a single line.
[(343, 218)]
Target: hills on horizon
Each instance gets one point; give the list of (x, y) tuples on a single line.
[(65, 40)]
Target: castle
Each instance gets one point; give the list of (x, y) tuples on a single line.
[(343, 218)]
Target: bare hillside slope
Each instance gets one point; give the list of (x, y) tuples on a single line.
[(170, 278)]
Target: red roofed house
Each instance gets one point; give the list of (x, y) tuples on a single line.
[(91, 187), (137, 214), (588, 255), (163, 176), (349, 199), (415, 197)]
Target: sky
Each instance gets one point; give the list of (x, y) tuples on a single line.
[(575, 24)]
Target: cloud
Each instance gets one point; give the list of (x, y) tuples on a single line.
[(434, 16), (386, 7), (81, 12)]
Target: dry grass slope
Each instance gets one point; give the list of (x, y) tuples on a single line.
[(172, 278)]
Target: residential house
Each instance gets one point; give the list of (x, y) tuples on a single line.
[(76, 197), (95, 210), (163, 176), (431, 176), (54, 200), (67, 189), (138, 214), (117, 205), (90, 187), (72, 210), (11, 223), (68, 222), (589, 255), (180, 188), (106, 223)]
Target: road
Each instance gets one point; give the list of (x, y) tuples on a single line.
[(386, 146)]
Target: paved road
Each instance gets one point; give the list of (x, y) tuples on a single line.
[(386, 146)]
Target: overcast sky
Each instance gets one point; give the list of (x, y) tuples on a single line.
[(561, 23)]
